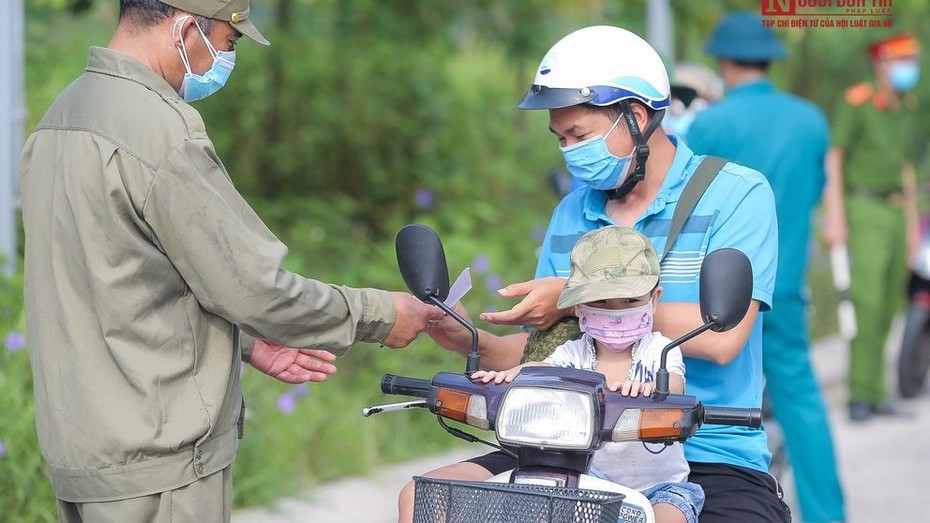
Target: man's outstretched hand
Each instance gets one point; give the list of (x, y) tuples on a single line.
[(412, 317), (450, 334), (538, 307), (292, 365)]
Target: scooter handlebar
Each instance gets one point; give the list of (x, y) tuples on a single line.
[(399, 385), (743, 417)]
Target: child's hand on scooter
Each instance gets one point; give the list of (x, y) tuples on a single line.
[(633, 388), (498, 377)]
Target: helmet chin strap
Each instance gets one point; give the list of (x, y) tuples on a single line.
[(640, 150)]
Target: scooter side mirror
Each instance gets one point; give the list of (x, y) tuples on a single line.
[(726, 288), (422, 262), (726, 291)]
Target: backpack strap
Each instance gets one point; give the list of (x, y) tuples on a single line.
[(699, 182)]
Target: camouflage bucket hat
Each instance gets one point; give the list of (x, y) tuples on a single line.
[(610, 262), (236, 12)]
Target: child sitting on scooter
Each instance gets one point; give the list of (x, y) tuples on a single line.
[(614, 287)]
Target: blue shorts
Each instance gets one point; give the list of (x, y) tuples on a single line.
[(686, 496)]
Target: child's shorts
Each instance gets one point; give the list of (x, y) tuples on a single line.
[(686, 496)]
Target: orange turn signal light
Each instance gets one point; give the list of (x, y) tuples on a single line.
[(471, 409), (660, 423)]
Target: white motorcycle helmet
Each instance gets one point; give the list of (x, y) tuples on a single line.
[(599, 65)]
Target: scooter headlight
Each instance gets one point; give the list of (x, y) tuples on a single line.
[(545, 417)]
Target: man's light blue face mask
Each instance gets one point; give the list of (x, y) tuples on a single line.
[(904, 74), (195, 86), (592, 163)]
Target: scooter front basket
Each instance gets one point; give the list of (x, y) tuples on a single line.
[(445, 501)]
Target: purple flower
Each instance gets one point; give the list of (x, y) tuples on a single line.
[(14, 341), (481, 264), (2, 449), (424, 198), (287, 402), (301, 390), (242, 367), (539, 233), (494, 282)]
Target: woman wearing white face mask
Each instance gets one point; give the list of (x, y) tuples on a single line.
[(614, 287)]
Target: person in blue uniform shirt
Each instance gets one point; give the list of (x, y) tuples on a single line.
[(786, 139)]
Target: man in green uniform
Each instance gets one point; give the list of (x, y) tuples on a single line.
[(871, 205), (143, 265)]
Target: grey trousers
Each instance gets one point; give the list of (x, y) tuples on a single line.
[(208, 500)]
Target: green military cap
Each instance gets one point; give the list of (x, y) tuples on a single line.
[(610, 262), (236, 12)]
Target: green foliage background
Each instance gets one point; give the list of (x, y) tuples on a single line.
[(362, 116)]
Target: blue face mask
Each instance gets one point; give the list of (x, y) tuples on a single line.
[(197, 87), (591, 162), (904, 75), (678, 124)]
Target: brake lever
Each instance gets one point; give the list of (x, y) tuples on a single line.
[(391, 407)]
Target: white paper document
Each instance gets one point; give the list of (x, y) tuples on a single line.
[(458, 289)]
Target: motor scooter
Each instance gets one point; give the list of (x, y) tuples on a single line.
[(914, 358), (553, 419)]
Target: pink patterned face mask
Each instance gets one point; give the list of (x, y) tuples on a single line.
[(616, 329)]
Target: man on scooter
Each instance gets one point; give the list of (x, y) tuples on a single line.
[(606, 91)]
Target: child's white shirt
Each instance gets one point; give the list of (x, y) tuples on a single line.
[(630, 463)]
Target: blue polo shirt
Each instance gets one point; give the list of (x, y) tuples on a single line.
[(737, 211), (786, 139)]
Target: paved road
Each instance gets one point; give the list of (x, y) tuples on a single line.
[(370, 499), (884, 465)]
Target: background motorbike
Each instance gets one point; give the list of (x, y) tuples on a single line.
[(914, 358), (553, 419)]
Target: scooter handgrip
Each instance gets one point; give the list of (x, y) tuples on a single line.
[(743, 417), (391, 384)]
